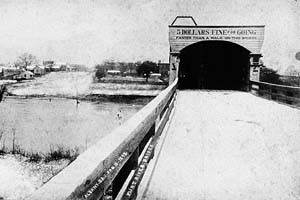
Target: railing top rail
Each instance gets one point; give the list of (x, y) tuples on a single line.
[(276, 85), (73, 182)]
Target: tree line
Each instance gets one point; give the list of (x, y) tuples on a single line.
[(291, 77), (143, 69)]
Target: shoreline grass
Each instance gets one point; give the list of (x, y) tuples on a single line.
[(55, 154)]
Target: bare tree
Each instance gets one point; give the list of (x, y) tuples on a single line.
[(25, 60)]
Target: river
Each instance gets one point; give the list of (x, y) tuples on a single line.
[(42, 124)]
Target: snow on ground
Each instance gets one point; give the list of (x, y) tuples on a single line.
[(55, 84), (73, 84), (12, 177), (7, 81), (126, 92), (228, 145), (118, 86), (126, 89), (131, 79), (20, 178)]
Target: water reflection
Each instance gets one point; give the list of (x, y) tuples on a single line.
[(42, 124)]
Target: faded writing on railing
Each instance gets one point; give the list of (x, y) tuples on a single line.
[(140, 171), (106, 174)]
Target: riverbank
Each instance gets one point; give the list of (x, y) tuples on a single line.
[(127, 99), (44, 124), (58, 110), (36, 126), (80, 85)]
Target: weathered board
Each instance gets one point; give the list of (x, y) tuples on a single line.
[(250, 37)]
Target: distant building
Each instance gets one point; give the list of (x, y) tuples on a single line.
[(25, 75), (9, 72), (48, 62), (36, 69), (66, 68), (39, 70), (30, 67), (156, 76), (55, 68), (1, 67), (111, 65), (48, 65), (131, 69), (113, 72), (58, 66), (163, 69), (78, 68)]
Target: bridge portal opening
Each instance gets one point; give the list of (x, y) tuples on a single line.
[(219, 65)]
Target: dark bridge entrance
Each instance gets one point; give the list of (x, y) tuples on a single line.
[(214, 65), (214, 57)]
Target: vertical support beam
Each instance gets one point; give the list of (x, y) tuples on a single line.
[(118, 182), (135, 159), (270, 92), (150, 133), (138, 175), (248, 84), (254, 76), (255, 64), (254, 73), (254, 70), (108, 195), (174, 67)]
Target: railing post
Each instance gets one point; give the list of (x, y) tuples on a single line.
[(134, 160), (118, 182), (108, 195), (149, 134), (269, 89), (273, 94)]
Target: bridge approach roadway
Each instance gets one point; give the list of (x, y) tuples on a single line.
[(226, 145)]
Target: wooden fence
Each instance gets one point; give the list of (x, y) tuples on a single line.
[(285, 94)]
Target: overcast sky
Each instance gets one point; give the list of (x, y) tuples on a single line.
[(89, 32)]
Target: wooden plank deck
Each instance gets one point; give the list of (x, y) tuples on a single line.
[(226, 145)]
